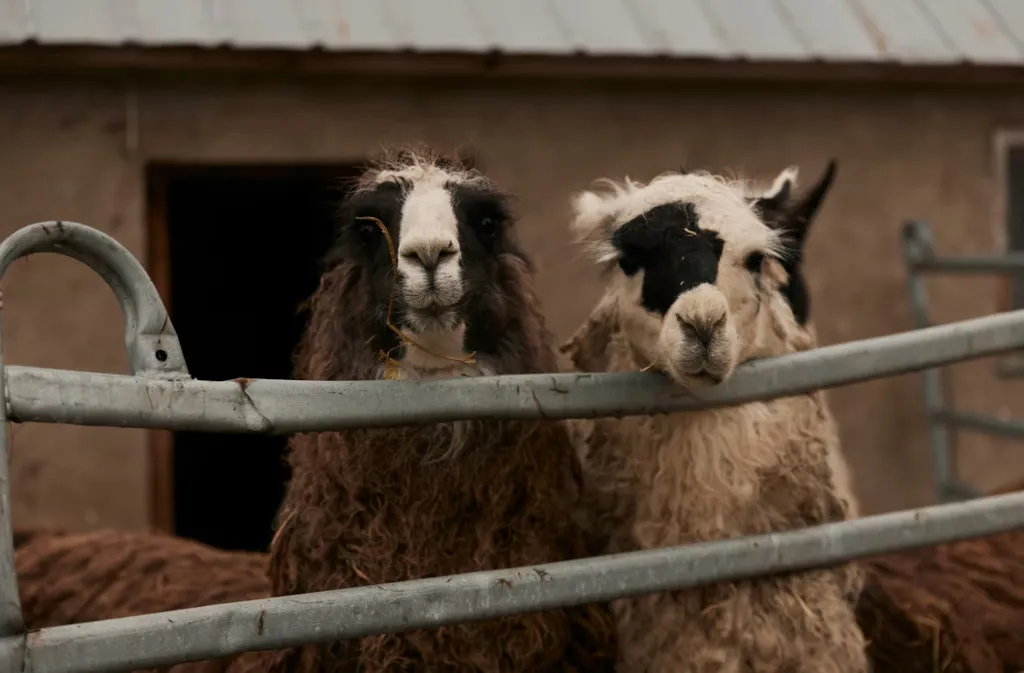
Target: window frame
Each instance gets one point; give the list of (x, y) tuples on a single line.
[(1006, 142)]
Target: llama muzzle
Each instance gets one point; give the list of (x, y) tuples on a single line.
[(697, 339)]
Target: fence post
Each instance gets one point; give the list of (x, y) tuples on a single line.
[(917, 245), (10, 603), (153, 351)]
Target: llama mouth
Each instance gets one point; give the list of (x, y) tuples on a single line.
[(433, 306), (705, 377), (432, 316), (434, 310)]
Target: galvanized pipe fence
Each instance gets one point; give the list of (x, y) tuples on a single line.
[(161, 394), (920, 258)]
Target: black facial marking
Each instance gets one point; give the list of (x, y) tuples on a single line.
[(383, 202), (485, 219), (675, 254), (362, 243), (480, 211)]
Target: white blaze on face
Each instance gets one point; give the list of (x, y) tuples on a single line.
[(428, 246), (430, 273)]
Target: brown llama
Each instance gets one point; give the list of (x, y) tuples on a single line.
[(70, 578), (695, 288), (955, 608), (454, 298)]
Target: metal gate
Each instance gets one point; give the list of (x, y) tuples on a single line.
[(160, 394), (942, 419)]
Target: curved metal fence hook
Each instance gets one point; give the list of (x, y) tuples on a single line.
[(153, 347), (153, 350)]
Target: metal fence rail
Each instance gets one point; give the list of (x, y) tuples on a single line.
[(161, 394), (201, 633), (919, 256), (285, 407)]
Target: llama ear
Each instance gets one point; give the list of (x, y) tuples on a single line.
[(772, 204), (594, 224), (464, 158), (796, 223), (783, 184), (590, 347), (800, 216)]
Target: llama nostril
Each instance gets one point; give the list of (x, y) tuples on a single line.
[(429, 256), (703, 331), (428, 259)]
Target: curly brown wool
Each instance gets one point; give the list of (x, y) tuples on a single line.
[(364, 508), (955, 608), (70, 578)]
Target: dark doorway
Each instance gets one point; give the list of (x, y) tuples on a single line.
[(243, 246)]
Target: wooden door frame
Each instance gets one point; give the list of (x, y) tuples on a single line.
[(160, 443)]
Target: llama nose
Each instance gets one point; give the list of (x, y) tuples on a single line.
[(429, 254), (700, 330)]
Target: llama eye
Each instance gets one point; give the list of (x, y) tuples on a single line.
[(368, 230), (486, 226), (630, 262), (754, 261), (629, 265)]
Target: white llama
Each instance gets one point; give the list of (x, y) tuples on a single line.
[(696, 278)]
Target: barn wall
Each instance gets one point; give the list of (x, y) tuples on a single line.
[(73, 151)]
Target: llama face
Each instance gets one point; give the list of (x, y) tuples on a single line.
[(447, 225), (695, 271)]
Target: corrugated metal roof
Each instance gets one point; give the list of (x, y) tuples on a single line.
[(903, 31)]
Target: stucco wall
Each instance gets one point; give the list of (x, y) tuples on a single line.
[(73, 151)]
